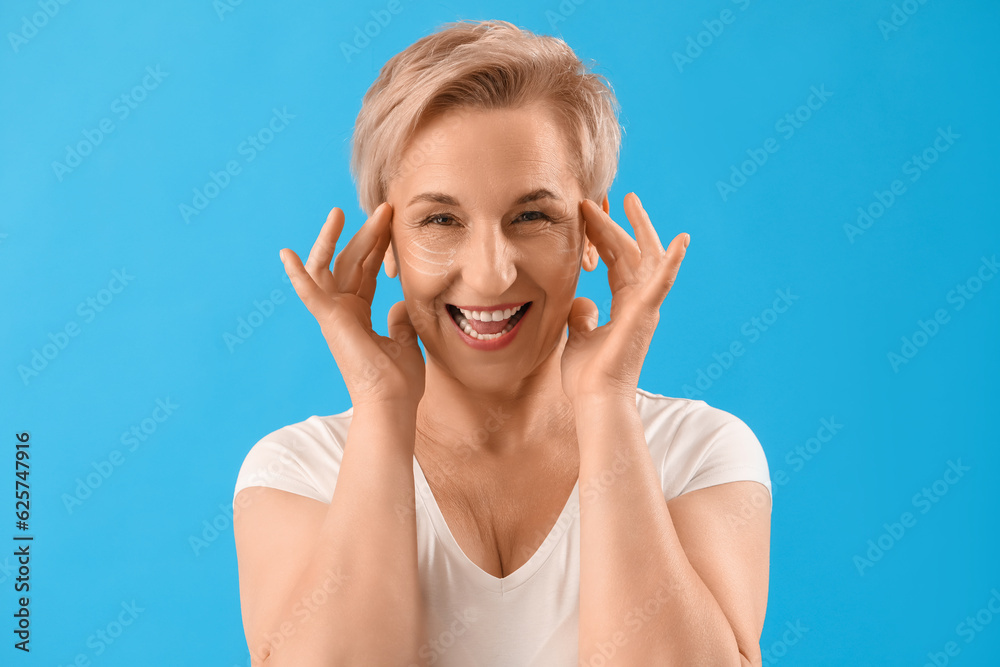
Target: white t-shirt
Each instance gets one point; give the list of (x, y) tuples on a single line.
[(530, 617)]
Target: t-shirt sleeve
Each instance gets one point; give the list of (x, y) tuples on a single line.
[(302, 458), (710, 447)]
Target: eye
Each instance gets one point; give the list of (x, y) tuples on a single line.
[(429, 220), (541, 216)]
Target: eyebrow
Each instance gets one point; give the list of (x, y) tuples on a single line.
[(448, 200)]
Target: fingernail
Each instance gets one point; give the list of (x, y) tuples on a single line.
[(281, 255), (687, 240)]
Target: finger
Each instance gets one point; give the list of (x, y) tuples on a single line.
[(618, 250), (371, 266), (314, 298), (326, 244), (400, 327), (583, 315), (652, 258), (607, 234), (645, 233), (348, 266), (666, 271)]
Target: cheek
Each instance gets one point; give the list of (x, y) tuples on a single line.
[(560, 255), (419, 278), (423, 318), (419, 296), (557, 273), (426, 258)]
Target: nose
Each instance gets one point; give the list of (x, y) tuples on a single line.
[(489, 261)]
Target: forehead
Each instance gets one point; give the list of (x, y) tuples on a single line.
[(466, 149)]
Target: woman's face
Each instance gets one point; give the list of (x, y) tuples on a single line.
[(486, 214)]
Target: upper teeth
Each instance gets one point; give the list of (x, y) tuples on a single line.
[(490, 316)]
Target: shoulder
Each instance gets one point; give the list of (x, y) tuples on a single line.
[(696, 445), (302, 458)]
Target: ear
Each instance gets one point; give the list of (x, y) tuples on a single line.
[(590, 254), (390, 260)]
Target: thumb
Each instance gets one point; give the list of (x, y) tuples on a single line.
[(582, 315), (400, 327)]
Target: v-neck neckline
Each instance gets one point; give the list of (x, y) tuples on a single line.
[(480, 576)]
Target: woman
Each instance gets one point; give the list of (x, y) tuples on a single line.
[(515, 499)]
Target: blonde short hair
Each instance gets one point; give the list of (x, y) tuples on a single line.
[(483, 65)]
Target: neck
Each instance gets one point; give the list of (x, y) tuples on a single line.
[(515, 420)]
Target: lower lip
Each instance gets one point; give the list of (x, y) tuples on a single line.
[(488, 345)]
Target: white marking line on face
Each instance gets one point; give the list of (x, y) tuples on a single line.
[(432, 261)]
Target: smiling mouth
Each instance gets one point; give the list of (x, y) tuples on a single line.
[(474, 324)]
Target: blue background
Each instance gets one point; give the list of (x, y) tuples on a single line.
[(688, 124)]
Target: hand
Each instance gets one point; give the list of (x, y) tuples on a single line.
[(607, 360), (375, 369)]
